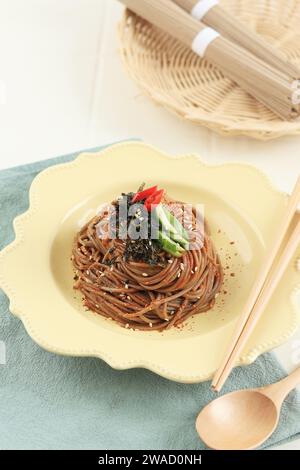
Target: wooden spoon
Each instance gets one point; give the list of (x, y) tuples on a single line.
[(245, 419)]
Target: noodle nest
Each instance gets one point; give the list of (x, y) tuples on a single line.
[(143, 296)]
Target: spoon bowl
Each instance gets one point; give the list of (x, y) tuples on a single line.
[(243, 420), (239, 420)]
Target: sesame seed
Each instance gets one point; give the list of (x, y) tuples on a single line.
[(145, 274), (193, 272), (128, 297), (196, 268), (88, 272), (150, 324), (179, 274), (127, 325), (181, 266), (111, 268), (170, 261), (126, 286)]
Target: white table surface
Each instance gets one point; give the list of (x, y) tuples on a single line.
[(63, 88)]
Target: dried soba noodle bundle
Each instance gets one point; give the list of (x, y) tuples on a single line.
[(212, 14), (270, 86)]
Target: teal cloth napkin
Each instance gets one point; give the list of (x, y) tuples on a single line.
[(55, 402)]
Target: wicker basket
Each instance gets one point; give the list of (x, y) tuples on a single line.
[(176, 78)]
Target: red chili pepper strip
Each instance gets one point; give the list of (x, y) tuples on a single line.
[(153, 200), (144, 194)]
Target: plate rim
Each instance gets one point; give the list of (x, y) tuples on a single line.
[(15, 304)]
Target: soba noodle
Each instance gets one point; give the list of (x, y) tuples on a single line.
[(143, 296)]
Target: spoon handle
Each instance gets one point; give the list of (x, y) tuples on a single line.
[(278, 391)]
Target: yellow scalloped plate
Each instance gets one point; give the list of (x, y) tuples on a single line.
[(243, 210)]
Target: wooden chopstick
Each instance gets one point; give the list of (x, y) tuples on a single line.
[(263, 299), (262, 290)]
